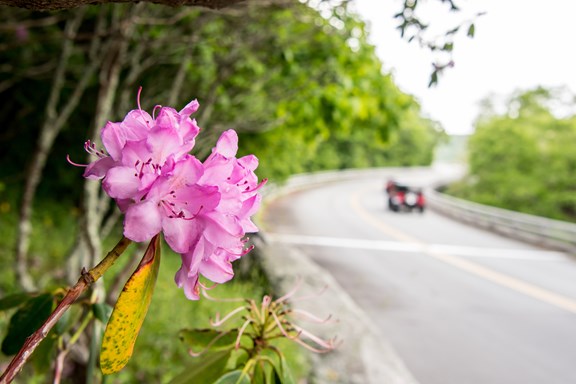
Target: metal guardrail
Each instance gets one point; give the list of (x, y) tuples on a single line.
[(537, 230), (310, 180)]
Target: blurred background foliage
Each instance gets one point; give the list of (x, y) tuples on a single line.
[(523, 158), (306, 92), (301, 85)]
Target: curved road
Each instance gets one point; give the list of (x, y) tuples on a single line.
[(459, 305)]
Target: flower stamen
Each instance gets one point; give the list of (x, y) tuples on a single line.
[(75, 164), (90, 147)]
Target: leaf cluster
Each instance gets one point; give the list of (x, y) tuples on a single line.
[(290, 79), (523, 159), (412, 27), (29, 311)]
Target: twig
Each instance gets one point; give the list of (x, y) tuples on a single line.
[(86, 279)]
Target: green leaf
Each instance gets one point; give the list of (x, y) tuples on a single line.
[(203, 370), (259, 375), (234, 377), (433, 79), (129, 312), (45, 353), (68, 319), (471, 30), (453, 31), (25, 321), (14, 300), (199, 340), (62, 323), (102, 311), (238, 358), (282, 370), (276, 378)]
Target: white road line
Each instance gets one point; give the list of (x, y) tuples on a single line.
[(465, 251), (488, 274)]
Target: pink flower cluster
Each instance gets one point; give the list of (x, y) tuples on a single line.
[(203, 209)]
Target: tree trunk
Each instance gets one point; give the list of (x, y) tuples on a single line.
[(54, 5), (53, 123), (88, 248)]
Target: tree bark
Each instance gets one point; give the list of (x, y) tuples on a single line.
[(95, 204), (54, 5), (53, 123)]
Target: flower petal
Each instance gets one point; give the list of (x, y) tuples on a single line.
[(217, 269), (121, 183), (250, 162), (167, 118), (227, 144), (143, 221), (190, 108), (136, 124), (97, 169), (181, 234), (162, 143), (114, 139), (188, 283)]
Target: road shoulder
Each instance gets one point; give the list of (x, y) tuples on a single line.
[(365, 356)]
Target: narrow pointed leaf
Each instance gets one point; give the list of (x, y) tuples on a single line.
[(281, 370), (130, 311), (199, 340), (259, 375), (471, 30), (285, 374), (234, 377), (63, 322), (102, 311)]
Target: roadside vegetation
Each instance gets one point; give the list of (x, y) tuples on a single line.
[(523, 158), (304, 90)]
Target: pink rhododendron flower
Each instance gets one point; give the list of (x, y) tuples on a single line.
[(221, 239), (203, 209)]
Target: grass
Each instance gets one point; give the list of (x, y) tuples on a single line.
[(159, 355)]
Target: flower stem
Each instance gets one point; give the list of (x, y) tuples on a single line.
[(86, 279)]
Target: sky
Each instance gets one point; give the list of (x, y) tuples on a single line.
[(518, 45)]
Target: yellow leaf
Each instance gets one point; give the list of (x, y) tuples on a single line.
[(130, 311)]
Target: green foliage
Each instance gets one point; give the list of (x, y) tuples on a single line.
[(234, 377), (343, 112), (306, 92), (283, 76), (27, 319), (524, 160), (202, 340), (251, 350), (157, 344), (205, 370), (54, 225), (413, 27), (14, 300)]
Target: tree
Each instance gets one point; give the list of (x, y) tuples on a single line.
[(53, 5), (521, 160)]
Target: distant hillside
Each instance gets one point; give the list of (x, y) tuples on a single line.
[(453, 150)]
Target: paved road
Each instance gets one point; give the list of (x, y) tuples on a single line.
[(460, 305)]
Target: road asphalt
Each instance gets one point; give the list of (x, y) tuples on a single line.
[(364, 356)]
